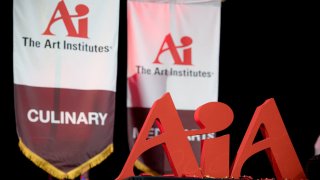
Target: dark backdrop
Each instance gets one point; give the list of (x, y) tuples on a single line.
[(268, 50)]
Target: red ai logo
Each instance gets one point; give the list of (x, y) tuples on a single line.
[(61, 13), (169, 45)]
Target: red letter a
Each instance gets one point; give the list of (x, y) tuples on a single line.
[(173, 138), (276, 142)]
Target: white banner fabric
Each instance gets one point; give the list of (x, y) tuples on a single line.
[(173, 46), (65, 62)]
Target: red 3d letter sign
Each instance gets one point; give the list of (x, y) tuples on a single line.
[(214, 117)]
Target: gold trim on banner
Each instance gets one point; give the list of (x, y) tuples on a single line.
[(53, 171), (138, 164)]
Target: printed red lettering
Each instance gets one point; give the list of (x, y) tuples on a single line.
[(61, 9), (168, 45)]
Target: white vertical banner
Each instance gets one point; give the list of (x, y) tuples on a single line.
[(173, 46), (65, 61)]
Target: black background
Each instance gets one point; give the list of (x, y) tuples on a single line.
[(268, 49)]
